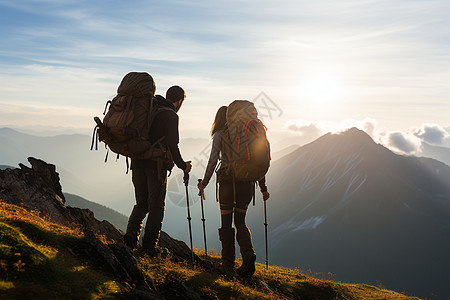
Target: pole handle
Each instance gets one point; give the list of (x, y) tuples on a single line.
[(201, 193)]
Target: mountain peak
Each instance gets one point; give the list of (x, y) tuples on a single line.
[(346, 140), (355, 133)]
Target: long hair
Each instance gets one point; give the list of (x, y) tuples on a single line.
[(220, 121)]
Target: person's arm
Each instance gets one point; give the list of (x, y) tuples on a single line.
[(262, 184), (172, 140), (263, 188), (213, 158)]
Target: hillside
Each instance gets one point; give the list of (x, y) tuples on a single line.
[(354, 208), (101, 212), (50, 251), (3, 167), (37, 263)]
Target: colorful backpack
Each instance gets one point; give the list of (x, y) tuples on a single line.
[(245, 142)]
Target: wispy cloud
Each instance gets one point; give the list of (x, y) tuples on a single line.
[(73, 52), (63, 116)]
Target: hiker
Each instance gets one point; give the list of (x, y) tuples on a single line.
[(234, 198), (149, 176)]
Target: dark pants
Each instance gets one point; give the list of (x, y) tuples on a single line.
[(150, 191), (243, 191)]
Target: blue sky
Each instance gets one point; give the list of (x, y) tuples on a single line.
[(325, 64)]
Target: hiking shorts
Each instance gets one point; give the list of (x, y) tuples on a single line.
[(244, 193)]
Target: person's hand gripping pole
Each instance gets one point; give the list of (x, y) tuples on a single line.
[(201, 193)]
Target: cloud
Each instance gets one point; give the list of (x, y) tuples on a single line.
[(219, 52), (311, 128), (47, 115), (369, 125), (432, 133), (402, 142), (304, 128)]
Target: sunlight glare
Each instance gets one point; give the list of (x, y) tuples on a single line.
[(321, 90)]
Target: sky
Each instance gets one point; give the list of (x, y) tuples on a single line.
[(309, 66)]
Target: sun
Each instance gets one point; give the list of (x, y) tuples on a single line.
[(321, 89)]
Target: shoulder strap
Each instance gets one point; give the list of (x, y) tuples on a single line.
[(156, 110)]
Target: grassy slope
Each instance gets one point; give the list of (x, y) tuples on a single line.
[(274, 283), (25, 275)]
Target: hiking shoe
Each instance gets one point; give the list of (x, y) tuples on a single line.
[(131, 242), (248, 266), (227, 270)]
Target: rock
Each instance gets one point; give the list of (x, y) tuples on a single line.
[(86, 219), (35, 188), (178, 248), (38, 188), (173, 288), (48, 173), (130, 264)]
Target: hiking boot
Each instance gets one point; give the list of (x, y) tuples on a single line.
[(226, 236), (130, 242), (248, 255), (155, 251)]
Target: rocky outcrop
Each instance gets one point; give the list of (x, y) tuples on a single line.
[(35, 188), (38, 188)]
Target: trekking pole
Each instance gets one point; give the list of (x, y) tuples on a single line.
[(186, 182), (265, 227), (201, 193)]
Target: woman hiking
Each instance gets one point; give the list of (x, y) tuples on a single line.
[(234, 198)]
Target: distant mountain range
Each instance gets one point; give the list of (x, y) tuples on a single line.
[(3, 167), (83, 172), (101, 212), (346, 205), (436, 152)]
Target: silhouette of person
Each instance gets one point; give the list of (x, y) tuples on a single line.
[(241, 193), (150, 177)]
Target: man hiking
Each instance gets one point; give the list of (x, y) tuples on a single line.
[(149, 176)]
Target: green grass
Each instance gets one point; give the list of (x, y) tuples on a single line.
[(51, 272), (283, 283)]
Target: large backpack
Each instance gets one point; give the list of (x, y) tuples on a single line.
[(245, 143), (126, 126)]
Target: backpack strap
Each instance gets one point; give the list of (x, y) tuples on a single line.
[(217, 179), (107, 152), (108, 103), (95, 138)]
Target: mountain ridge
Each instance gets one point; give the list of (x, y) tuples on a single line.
[(344, 192)]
